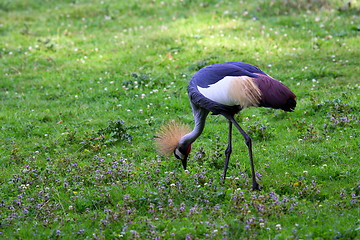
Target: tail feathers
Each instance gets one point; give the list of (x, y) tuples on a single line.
[(290, 105), (168, 137), (275, 94)]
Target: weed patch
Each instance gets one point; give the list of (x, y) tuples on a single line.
[(85, 85)]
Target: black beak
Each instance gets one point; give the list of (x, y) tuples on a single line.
[(184, 162)]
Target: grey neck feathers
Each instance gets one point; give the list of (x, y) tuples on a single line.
[(200, 115)]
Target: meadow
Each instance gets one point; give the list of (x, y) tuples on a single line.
[(85, 86)]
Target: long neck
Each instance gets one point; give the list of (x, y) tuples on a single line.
[(200, 115)]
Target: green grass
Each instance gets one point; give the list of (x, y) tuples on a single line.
[(85, 85)]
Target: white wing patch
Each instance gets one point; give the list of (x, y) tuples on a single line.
[(233, 91)]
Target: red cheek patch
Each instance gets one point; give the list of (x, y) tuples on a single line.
[(188, 150)]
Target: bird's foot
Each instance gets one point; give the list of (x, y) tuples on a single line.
[(256, 186)]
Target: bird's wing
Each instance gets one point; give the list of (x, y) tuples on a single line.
[(216, 72), (212, 87), (248, 67)]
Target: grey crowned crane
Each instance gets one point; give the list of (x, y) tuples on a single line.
[(226, 89)]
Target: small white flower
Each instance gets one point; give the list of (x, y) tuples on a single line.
[(278, 226)]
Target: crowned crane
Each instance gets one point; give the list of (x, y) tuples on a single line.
[(226, 89)]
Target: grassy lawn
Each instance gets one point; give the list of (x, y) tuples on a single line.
[(85, 86)]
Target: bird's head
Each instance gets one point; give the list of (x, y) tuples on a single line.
[(182, 154), (168, 139)]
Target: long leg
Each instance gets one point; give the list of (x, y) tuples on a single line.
[(228, 151), (255, 185)]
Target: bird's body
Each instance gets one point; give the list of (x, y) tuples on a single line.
[(226, 89), (232, 86)]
